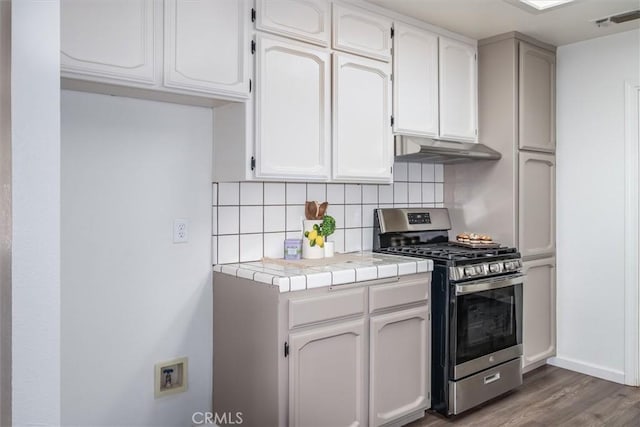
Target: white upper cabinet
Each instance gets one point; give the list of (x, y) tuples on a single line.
[(305, 20), (537, 88), (361, 32), (110, 41), (362, 139), (415, 81), (458, 91), (293, 127), (206, 46)]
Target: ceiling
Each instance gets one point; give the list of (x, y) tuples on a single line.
[(479, 19)]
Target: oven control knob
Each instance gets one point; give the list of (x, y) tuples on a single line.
[(508, 266), (479, 269), (469, 271), (494, 268)]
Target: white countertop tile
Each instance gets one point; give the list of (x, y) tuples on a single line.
[(360, 267)]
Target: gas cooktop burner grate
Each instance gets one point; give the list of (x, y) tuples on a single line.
[(448, 251)]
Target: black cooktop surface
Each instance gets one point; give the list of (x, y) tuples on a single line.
[(449, 252)]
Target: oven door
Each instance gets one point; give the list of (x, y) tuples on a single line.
[(486, 324)]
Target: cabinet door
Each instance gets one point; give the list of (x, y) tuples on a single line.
[(458, 91), (539, 310), (293, 134), (537, 205), (400, 355), (362, 140), (327, 374), (206, 46), (306, 20), (109, 41), (537, 98), (361, 32), (415, 81)]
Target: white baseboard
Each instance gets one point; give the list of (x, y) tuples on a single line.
[(588, 369)]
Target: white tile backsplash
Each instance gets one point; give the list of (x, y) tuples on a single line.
[(295, 215), (275, 219), (228, 220), (370, 194), (251, 220), (353, 193), (317, 192), (229, 193), (415, 172), (296, 193), (353, 216), (400, 193), (251, 193), (274, 193), (335, 193), (250, 247)]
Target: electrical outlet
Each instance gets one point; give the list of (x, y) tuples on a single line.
[(180, 230)]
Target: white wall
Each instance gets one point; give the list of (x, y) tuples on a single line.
[(130, 296), (590, 201), (35, 267)]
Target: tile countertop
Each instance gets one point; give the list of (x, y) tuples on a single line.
[(360, 267)]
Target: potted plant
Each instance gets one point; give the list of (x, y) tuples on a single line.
[(327, 228)]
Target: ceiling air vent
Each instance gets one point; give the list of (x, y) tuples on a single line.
[(619, 18)]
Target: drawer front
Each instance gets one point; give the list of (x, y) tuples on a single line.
[(485, 385), (400, 293), (335, 305)]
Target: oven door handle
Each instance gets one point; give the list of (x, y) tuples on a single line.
[(479, 286)]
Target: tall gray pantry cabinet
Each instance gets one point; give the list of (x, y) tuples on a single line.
[(513, 199)]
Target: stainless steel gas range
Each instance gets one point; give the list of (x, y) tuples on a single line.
[(476, 303)]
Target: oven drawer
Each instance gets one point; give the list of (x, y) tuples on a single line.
[(335, 305), (485, 385), (400, 293)]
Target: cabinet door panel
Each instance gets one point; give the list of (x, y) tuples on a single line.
[(399, 371), (206, 46), (306, 20), (537, 204), (327, 374), (293, 134), (458, 90), (362, 139), (415, 82), (537, 99), (109, 39), (539, 311), (363, 33)]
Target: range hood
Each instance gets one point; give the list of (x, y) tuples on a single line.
[(420, 149)]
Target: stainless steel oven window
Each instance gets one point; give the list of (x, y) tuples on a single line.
[(485, 322)]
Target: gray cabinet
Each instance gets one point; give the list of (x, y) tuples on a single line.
[(537, 111), (399, 364), (536, 185), (327, 372), (539, 313), (350, 355)]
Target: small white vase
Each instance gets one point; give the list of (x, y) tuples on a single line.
[(329, 248), (308, 251)]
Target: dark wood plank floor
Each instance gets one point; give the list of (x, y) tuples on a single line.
[(552, 396)]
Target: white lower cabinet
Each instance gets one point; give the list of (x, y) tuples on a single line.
[(539, 312), (362, 136), (327, 373), (399, 364), (336, 356)]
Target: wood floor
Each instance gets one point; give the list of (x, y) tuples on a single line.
[(552, 396)]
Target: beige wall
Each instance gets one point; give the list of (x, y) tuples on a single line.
[(5, 213)]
